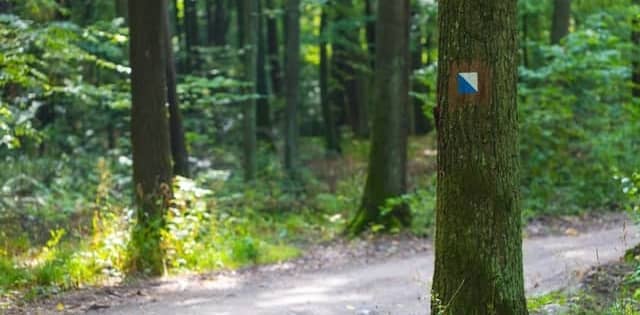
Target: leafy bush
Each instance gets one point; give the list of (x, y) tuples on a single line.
[(578, 122)]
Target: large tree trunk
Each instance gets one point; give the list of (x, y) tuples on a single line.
[(331, 132), (247, 29), (478, 264), (561, 20), (262, 85), (635, 38), (176, 129), (191, 32), (293, 87), (388, 156), (273, 52), (149, 130)]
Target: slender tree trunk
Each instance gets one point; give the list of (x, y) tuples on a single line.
[(247, 19), (332, 136), (525, 40), (635, 38), (388, 156), (149, 130), (179, 33), (293, 87), (345, 93), (418, 121), (191, 32), (217, 23), (176, 129), (478, 264), (273, 51), (262, 86), (371, 31), (561, 20), (121, 9)]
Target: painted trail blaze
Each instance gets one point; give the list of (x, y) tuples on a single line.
[(467, 83)]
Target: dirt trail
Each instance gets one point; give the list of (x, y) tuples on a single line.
[(395, 286)]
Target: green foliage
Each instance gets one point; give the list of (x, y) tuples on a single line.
[(576, 111)]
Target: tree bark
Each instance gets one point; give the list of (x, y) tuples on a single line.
[(247, 20), (191, 32), (478, 264), (176, 129), (331, 132), (388, 156), (273, 51), (149, 130), (561, 20), (293, 87)]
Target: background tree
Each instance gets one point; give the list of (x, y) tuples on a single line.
[(176, 129), (478, 268), (386, 177), (293, 87), (635, 64), (331, 131), (262, 85), (149, 130), (191, 32), (561, 20), (247, 37), (273, 49)]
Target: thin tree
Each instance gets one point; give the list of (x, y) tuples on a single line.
[(191, 32), (149, 130), (176, 128), (217, 22), (121, 9), (635, 38), (293, 87), (561, 20), (262, 83), (273, 50), (370, 31), (387, 169), (247, 29), (478, 263), (331, 132)]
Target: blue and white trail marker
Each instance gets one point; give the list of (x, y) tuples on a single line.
[(467, 83)]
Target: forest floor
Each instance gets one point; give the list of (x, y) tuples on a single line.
[(382, 275)]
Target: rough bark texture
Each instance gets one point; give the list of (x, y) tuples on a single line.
[(176, 129), (149, 129), (293, 87), (388, 157), (635, 38), (191, 31), (478, 264), (561, 20), (331, 132), (262, 86), (247, 18)]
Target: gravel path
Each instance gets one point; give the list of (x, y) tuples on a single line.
[(397, 281)]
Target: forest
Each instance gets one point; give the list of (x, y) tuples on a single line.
[(366, 157)]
